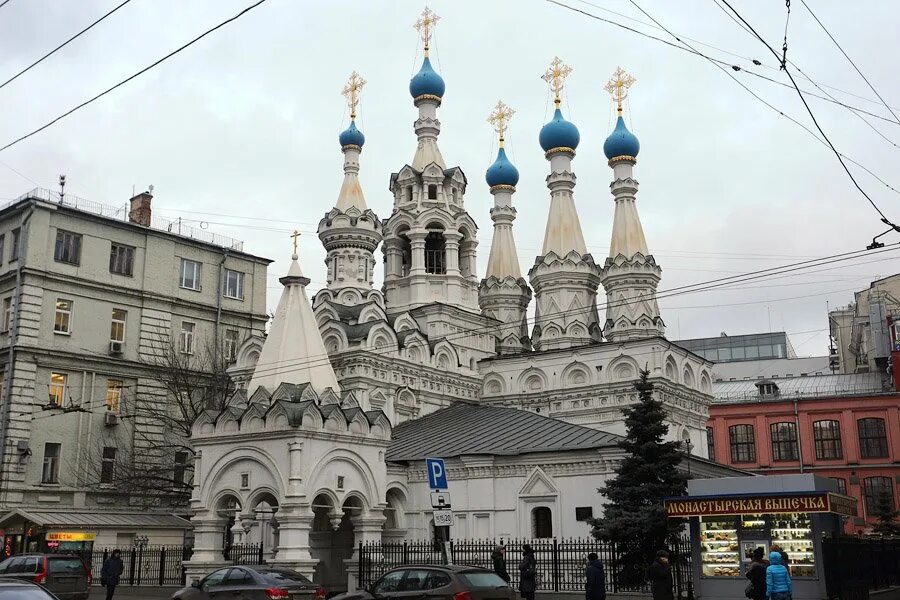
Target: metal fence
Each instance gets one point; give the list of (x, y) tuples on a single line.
[(853, 566), (244, 554), (560, 563), (144, 565)]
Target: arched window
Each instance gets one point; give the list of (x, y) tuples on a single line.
[(435, 250), (541, 522)]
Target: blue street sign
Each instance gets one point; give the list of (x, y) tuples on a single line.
[(437, 474)]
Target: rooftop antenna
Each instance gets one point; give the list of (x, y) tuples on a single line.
[(150, 189), (62, 189), (831, 350)]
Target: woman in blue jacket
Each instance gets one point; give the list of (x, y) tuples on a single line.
[(778, 579)]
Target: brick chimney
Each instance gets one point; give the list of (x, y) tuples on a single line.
[(140, 209)]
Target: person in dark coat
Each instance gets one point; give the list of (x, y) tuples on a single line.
[(498, 557), (595, 587), (527, 573), (756, 573), (110, 573), (660, 575)]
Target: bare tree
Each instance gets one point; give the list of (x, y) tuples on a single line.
[(173, 390)]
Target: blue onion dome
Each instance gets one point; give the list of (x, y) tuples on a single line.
[(621, 142), (502, 172), (559, 133), (426, 82), (352, 136)]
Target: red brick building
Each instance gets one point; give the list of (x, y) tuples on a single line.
[(838, 426)]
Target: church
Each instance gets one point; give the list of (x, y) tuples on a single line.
[(324, 445)]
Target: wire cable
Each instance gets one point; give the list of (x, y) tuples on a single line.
[(4, 3), (828, 33), (61, 46), (138, 74)]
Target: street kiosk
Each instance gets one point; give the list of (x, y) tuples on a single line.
[(730, 517)]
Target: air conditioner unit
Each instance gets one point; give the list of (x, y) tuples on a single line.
[(116, 347), (112, 419)]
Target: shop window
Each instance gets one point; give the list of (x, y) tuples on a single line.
[(50, 471), (876, 488), (841, 484), (541, 522), (743, 443), (793, 533), (827, 438), (872, 438), (719, 547), (784, 441), (710, 443)]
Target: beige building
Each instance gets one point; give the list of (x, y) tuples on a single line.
[(860, 331), (96, 303)]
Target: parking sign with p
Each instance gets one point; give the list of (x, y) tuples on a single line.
[(437, 474)]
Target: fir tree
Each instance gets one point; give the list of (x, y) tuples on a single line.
[(887, 514), (634, 516)]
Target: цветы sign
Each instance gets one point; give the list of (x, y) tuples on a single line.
[(812, 502)]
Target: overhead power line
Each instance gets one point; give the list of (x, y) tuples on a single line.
[(850, 60), (61, 46), (4, 3), (837, 154), (138, 74)]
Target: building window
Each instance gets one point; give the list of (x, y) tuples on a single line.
[(14, 246), (541, 522), (121, 260), (743, 443), (114, 389), (841, 484), (234, 285), (874, 488), (186, 339), (432, 192), (50, 472), (190, 274), (117, 325), (68, 248), (108, 465), (584, 513), (57, 389), (62, 323), (2, 239), (872, 438), (710, 443), (767, 389), (231, 344), (7, 313), (435, 253), (784, 441), (179, 473), (827, 437)]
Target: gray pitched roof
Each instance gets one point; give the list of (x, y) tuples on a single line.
[(474, 429)]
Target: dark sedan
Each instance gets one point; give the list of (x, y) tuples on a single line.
[(22, 590), (452, 582), (247, 582)]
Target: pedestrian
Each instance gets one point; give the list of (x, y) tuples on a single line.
[(778, 579), (110, 572), (784, 555), (498, 557), (756, 573), (527, 573), (660, 575), (595, 587)]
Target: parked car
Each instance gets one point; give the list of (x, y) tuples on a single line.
[(257, 582), (63, 574), (22, 590), (451, 582)]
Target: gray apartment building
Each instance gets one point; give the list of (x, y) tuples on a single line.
[(93, 301)]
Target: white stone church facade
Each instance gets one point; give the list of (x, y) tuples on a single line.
[(324, 446)]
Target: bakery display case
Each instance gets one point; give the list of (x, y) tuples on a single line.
[(792, 533), (719, 548)]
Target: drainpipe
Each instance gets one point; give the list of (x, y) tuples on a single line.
[(219, 297), (797, 425), (13, 342)]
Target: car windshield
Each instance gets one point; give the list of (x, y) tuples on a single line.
[(69, 564), (483, 579), (284, 577)]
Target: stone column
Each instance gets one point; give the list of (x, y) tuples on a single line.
[(367, 529), (451, 251), (417, 244), (295, 479), (294, 525), (208, 544)]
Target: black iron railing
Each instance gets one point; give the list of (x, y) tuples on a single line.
[(853, 566), (560, 563), (143, 565), (244, 554)]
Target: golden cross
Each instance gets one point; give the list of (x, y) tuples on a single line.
[(296, 236), (500, 117), (351, 92), (425, 26), (556, 77), (618, 86)]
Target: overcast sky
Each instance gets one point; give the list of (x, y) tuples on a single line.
[(240, 130)]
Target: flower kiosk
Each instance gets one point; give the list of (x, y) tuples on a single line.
[(730, 517)]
